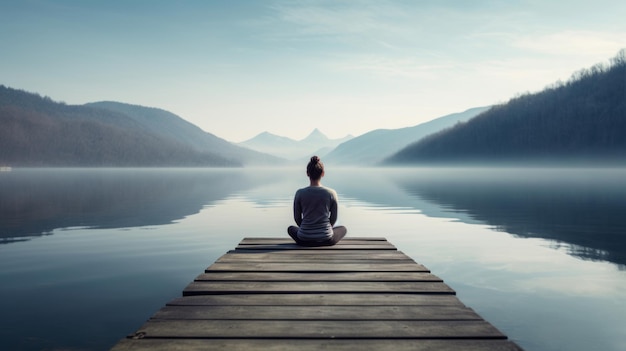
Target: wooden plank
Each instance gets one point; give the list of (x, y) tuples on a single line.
[(298, 247), (317, 313), (225, 287), (317, 267), (287, 239), (318, 329), (312, 345), (258, 255), (319, 299), (281, 241), (310, 259), (336, 276), (311, 251)]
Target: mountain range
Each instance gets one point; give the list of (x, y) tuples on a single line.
[(373, 147), (316, 143), (581, 120)]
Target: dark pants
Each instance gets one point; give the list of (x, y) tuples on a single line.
[(338, 233)]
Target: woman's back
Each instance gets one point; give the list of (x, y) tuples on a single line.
[(317, 206)]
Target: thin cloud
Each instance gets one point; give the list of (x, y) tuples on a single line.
[(337, 20), (394, 67), (573, 42)]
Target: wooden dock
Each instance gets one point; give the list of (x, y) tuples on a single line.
[(361, 294)]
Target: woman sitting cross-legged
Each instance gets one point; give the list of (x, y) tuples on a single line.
[(315, 211)]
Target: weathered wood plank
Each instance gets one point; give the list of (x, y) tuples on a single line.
[(317, 313), (287, 239), (319, 299), (312, 345), (318, 329), (317, 267), (282, 241), (225, 287), (310, 259), (294, 246), (311, 251), (374, 256), (335, 276)]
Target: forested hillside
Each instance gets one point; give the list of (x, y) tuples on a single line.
[(581, 120), (170, 126), (36, 131)]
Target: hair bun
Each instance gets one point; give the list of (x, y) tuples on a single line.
[(315, 168)]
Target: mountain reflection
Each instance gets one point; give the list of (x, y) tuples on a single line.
[(34, 202), (582, 208), (578, 210)]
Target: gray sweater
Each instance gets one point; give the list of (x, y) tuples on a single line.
[(315, 212)]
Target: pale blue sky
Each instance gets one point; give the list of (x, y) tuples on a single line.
[(238, 68)]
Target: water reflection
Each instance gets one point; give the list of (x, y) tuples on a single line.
[(581, 210), (34, 202)]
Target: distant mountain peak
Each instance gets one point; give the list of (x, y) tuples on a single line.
[(316, 136), (315, 142), (266, 138)]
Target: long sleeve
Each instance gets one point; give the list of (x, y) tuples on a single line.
[(297, 209), (333, 210)]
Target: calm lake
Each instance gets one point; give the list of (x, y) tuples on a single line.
[(86, 256)]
